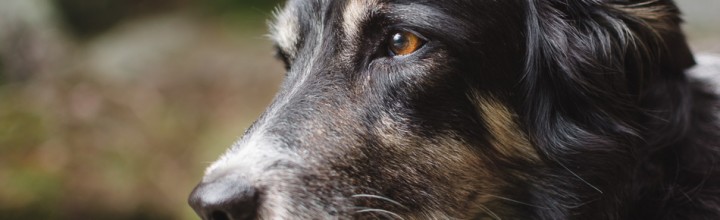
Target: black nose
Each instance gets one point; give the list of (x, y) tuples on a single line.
[(225, 199)]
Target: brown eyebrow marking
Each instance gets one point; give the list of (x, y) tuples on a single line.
[(356, 13)]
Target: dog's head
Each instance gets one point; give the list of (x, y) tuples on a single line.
[(448, 109)]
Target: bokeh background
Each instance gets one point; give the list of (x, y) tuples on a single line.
[(111, 109)]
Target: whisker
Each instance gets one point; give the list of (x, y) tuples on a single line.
[(516, 201), (581, 179), (490, 212), (379, 197), (578, 205)]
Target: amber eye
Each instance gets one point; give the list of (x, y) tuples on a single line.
[(404, 43)]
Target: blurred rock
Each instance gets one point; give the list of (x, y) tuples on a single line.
[(87, 18), (30, 41), (136, 48)]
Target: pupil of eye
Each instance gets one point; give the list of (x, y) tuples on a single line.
[(400, 41)]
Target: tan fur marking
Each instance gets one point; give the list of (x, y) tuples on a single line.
[(459, 165), (357, 12), (508, 139)]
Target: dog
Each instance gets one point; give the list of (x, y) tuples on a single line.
[(477, 109)]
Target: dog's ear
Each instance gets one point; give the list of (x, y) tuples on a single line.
[(600, 55), (658, 19), (589, 64), (606, 45)]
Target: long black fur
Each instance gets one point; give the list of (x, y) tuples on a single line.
[(607, 99)]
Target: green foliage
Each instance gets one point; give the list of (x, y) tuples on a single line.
[(245, 14), (19, 128), (2, 72), (242, 5)]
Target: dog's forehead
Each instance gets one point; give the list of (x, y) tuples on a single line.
[(299, 15), (309, 10)]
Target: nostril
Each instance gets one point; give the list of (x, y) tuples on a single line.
[(219, 215), (225, 199)]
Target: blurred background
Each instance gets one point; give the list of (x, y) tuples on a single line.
[(111, 109)]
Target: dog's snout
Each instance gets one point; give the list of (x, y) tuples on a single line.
[(225, 199)]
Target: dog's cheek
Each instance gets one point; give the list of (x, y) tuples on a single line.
[(440, 172), (431, 176)]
